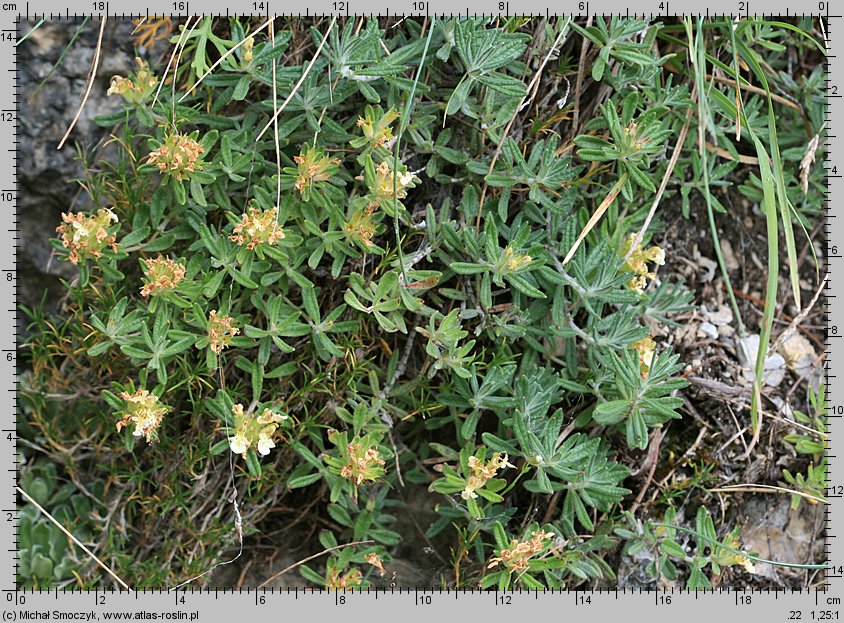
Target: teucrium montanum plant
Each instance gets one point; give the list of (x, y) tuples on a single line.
[(360, 302)]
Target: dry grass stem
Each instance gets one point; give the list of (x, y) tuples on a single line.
[(310, 558), (90, 84), (299, 82), (228, 53), (91, 554)]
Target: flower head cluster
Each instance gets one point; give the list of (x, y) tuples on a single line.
[(634, 139), (638, 262), (179, 155), (726, 558), (221, 330), (645, 347), (336, 580), (144, 411), (361, 226), (86, 235), (378, 132), (257, 227), (385, 178), (136, 89), (251, 430), (161, 275), (483, 472), (518, 555), (362, 462), (248, 46), (313, 167), (514, 261)]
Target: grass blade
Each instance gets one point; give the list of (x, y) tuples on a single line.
[(752, 60)]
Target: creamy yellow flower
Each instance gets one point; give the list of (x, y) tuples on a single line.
[(637, 263), (378, 134), (265, 444), (361, 226), (646, 348), (257, 228), (138, 88), (515, 261), (384, 181), (221, 330), (179, 156), (362, 463), (483, 472), (247, 49), (238, 443), (161, 275), (87, 235), (254, 430), (518, 555), (745, 562), (313, 167), (144, 411)]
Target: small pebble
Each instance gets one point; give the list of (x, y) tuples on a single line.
[(707, 329), (798, 352), (729, 255), (721, 316), (726, 330)]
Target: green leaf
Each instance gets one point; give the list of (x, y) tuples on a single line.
[(368, 92), (459, 96), (241, 88), (506, 85), (158, 205), (463, 268), (253, 464), (99, 349), (303, 481), (525, 287), (611, 412), (197, 192)]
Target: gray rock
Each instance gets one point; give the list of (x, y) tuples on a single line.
[(46, 173), (775, 369), (722, 315), (775, 532)]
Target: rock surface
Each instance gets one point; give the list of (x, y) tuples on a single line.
[(46, 173), (775, 532)]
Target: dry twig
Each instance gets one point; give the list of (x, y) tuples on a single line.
[(91, 77)]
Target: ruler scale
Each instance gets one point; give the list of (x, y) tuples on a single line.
[(191, 604), (9, 266)]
